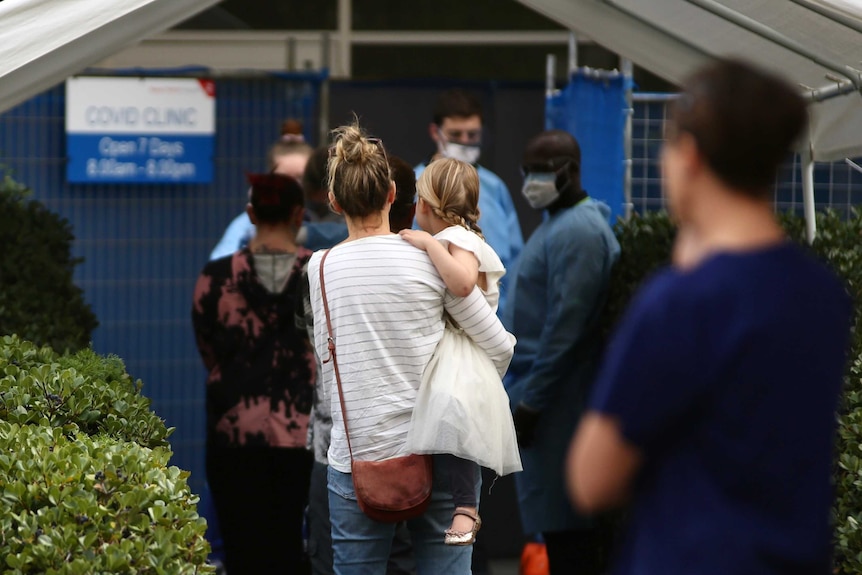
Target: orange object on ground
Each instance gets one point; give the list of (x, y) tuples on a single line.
[(534, 559)]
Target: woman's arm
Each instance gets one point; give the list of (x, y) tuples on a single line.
[(458, 267)]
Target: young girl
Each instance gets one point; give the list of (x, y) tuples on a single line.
[(461, 409)]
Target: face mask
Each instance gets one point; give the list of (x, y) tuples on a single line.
[(540, 190), (465, 152)]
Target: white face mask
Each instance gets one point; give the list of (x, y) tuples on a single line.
[(464, 152), (540, 189)]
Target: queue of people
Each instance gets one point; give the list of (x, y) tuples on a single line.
[(384, 340)]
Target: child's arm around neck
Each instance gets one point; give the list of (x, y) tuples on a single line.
[(458, 267)]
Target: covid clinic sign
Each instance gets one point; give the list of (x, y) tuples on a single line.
[(145, 130)]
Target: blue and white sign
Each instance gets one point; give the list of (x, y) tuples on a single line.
[(148, 130)]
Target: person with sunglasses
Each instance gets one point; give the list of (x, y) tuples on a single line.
[(318, 525), (556, 300), (456, 130), (386, 305)]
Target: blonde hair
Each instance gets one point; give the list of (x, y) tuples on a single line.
[(451, 189), (358, 169)]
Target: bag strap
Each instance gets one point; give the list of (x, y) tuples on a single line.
[(330, 342)]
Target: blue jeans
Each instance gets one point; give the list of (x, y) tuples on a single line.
[(361, 545), (320, 532)]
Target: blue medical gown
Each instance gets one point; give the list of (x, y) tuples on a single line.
[(320, 235), (237, 235), (499, 222), (555, 305)]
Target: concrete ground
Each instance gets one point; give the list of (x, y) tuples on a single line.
[(504, 566)]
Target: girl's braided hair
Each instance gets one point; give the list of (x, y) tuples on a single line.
[(451, 189)]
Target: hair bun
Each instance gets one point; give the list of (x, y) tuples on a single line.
[(359, 174), (352, 146)]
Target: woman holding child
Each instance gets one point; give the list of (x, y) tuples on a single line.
[(386, 301)]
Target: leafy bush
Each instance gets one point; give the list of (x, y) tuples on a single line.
[(75, 504), (84, 482), (646, 243), (645, 246), (839, 242), (82, 392), (38, 299)]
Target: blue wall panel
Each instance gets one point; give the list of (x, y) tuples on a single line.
[(144, 245)]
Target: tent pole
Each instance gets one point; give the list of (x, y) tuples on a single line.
[(627, 69), (808, 193), (573, 53), (770, 34), (830, 91), (550, 74), (829, 14)]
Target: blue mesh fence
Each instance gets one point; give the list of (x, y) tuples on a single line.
[(593, 107), (144, 245), (836, 184)]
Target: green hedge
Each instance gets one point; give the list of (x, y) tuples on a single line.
[(83, 392), (38, 299), (646, 246), (85, 485), (73, 504)]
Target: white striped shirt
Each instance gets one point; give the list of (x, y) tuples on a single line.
[(386, 302)]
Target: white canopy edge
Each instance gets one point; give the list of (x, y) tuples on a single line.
[(848, 8), (43, 42), (675, 52), (628, 36)]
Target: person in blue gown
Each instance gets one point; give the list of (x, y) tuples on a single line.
[(456, 130), (557, 295)]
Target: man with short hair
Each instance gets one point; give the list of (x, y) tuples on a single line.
[(456, 130), (555, 306)]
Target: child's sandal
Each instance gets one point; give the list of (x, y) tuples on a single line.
[(463, 537)]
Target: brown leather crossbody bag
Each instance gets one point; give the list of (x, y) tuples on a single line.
[(391, 490)]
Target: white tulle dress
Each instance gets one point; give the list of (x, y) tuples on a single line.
[(462, 407)]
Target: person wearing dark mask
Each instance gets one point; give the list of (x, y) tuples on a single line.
[(555, 303), (456, 130)]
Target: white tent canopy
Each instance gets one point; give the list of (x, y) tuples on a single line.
[(42, 42), (814, 43)]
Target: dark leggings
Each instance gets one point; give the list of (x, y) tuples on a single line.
[(259, 495), (463, 477)]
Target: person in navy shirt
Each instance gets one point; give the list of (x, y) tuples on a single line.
[(714, 411)]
